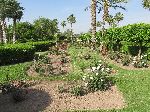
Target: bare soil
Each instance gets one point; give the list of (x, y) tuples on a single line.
[(45, 97)]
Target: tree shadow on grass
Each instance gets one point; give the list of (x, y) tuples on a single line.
[(36, 101)]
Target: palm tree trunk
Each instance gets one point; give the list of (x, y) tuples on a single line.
[(14, 30), (3, 31), (93, 19), (105, 15)]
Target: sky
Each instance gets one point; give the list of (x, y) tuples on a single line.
[(61, 9)]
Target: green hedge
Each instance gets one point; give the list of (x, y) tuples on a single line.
[(15, 53), (134, 36), (42, 45)]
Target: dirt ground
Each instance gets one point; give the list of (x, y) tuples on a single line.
[(44, 97)]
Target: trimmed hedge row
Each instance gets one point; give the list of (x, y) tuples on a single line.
[(127, 38), (42, 45), (16, 53)]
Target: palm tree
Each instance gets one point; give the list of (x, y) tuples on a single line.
[(146, 4), (119, 17), (16, 13), (3, 16), (63, 24), (93, 19), (99, 24), (71, 19)]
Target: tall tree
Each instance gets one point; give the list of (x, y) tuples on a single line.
[(3, 15), (93, 19), (146, 4), (119, 17), (16, 13), (45, 29), (71, 19), (63, 24)]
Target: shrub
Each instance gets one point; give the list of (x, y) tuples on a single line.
[(97, 81), (77, 91), (41, 45), (125, 60), (15, 53), (136, 35)]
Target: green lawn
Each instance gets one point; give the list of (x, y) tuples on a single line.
[(135, 84)]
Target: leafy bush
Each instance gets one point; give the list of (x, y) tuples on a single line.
[(42, 45), (140, 62), (77, 91), (125, 60), (15, 53), (131, 35), (97, 81)]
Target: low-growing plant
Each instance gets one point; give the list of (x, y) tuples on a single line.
[(125, 60), (98, 81), (114, 55), (77, 91), (140, 62), (62, 89)]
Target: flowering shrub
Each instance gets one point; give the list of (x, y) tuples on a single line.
[(140, 62), (99, 79), (101, 66)]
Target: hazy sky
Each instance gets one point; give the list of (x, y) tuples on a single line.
[(61, 9)]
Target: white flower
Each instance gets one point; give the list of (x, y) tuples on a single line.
[(141, 57), (102, 80), (134, 61), (93, 68), (100, 61), (96, 74), (107, 69), (98, 67), (145, 55), (134, 58), (91, 78), (85, 84), (83, 78), (102, 69)]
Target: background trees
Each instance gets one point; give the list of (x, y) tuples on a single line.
[(10, 9), (71, 20), (146, 4), (45, 28), (63, 24)]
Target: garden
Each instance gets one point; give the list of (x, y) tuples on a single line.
[(45, 70)]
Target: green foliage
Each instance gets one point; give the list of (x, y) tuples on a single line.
[(125, 59), (45, 28), (24, 32), (130, 35), (77, 91), (41, 45), (16, 53), (146, 4), (98, 81)]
